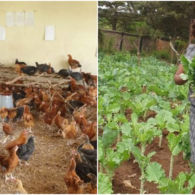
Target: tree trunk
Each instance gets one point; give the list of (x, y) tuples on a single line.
[(114, 25), (121, 43)]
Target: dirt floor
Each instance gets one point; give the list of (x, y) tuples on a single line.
[(48, 165), (129, 170)]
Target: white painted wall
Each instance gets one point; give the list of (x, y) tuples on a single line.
[(76, 34)]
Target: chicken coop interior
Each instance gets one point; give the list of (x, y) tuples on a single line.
[(48, 97)]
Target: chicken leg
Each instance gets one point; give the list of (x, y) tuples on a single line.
[(9, 176)]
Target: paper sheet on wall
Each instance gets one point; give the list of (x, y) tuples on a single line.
[(10, 19), (49, 33), (29, 18), (2, 33), (19, 19)]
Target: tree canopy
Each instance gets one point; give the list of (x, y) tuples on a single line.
[(159, 18)]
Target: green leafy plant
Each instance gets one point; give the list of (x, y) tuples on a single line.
[(162, 54), (189, 69), (174, 146), (141, 104), (104, 184), (143, 160), (143, 134), (182, 184), (164, 120), (127, 94)]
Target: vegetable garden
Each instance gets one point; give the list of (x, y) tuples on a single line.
[(143, 127)]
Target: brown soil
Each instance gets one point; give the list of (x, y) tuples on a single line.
[(48, 165), (149, 114), (129, 170), (124, 89), (128, 113), (174, 104), (144, 89)]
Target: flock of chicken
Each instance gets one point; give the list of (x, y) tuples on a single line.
[(66, 109), (21, 67)]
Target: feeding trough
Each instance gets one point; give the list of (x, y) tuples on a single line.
[(6, 101)]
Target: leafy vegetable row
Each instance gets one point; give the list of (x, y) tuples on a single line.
[(125, 86)]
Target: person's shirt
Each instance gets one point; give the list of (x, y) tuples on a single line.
[(190, 51)]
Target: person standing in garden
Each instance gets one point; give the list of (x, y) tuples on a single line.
[(190, 54)]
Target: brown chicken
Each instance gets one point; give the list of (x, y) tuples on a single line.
[(59, 102), (58, 99), (44, 96), (28, 91), (22, 139), (73, 63), (3, 113), (37, 100), (28, 118), (72, 180), (92, 91), (70, 131), (18, 68), (26, 109), (76, 87), (79, 114), (60, 105), (29, 121), (72, 96), (63, 110), (24, 101), (12, 113), (8, 130), (88, 100), (9, 162), (90, 79), (60, 121), (50, 115), (88, 128), (44, 106)]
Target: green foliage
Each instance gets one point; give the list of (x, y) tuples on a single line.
[(104, 184), (142, 103), (101, 40), (163, 55), (143, 132), (125, 85), (158, 19), (106, 44), (173, 143), (110, 45), (154, 172), (189, 69), (180, 45), (185, 141), (182, 184)]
